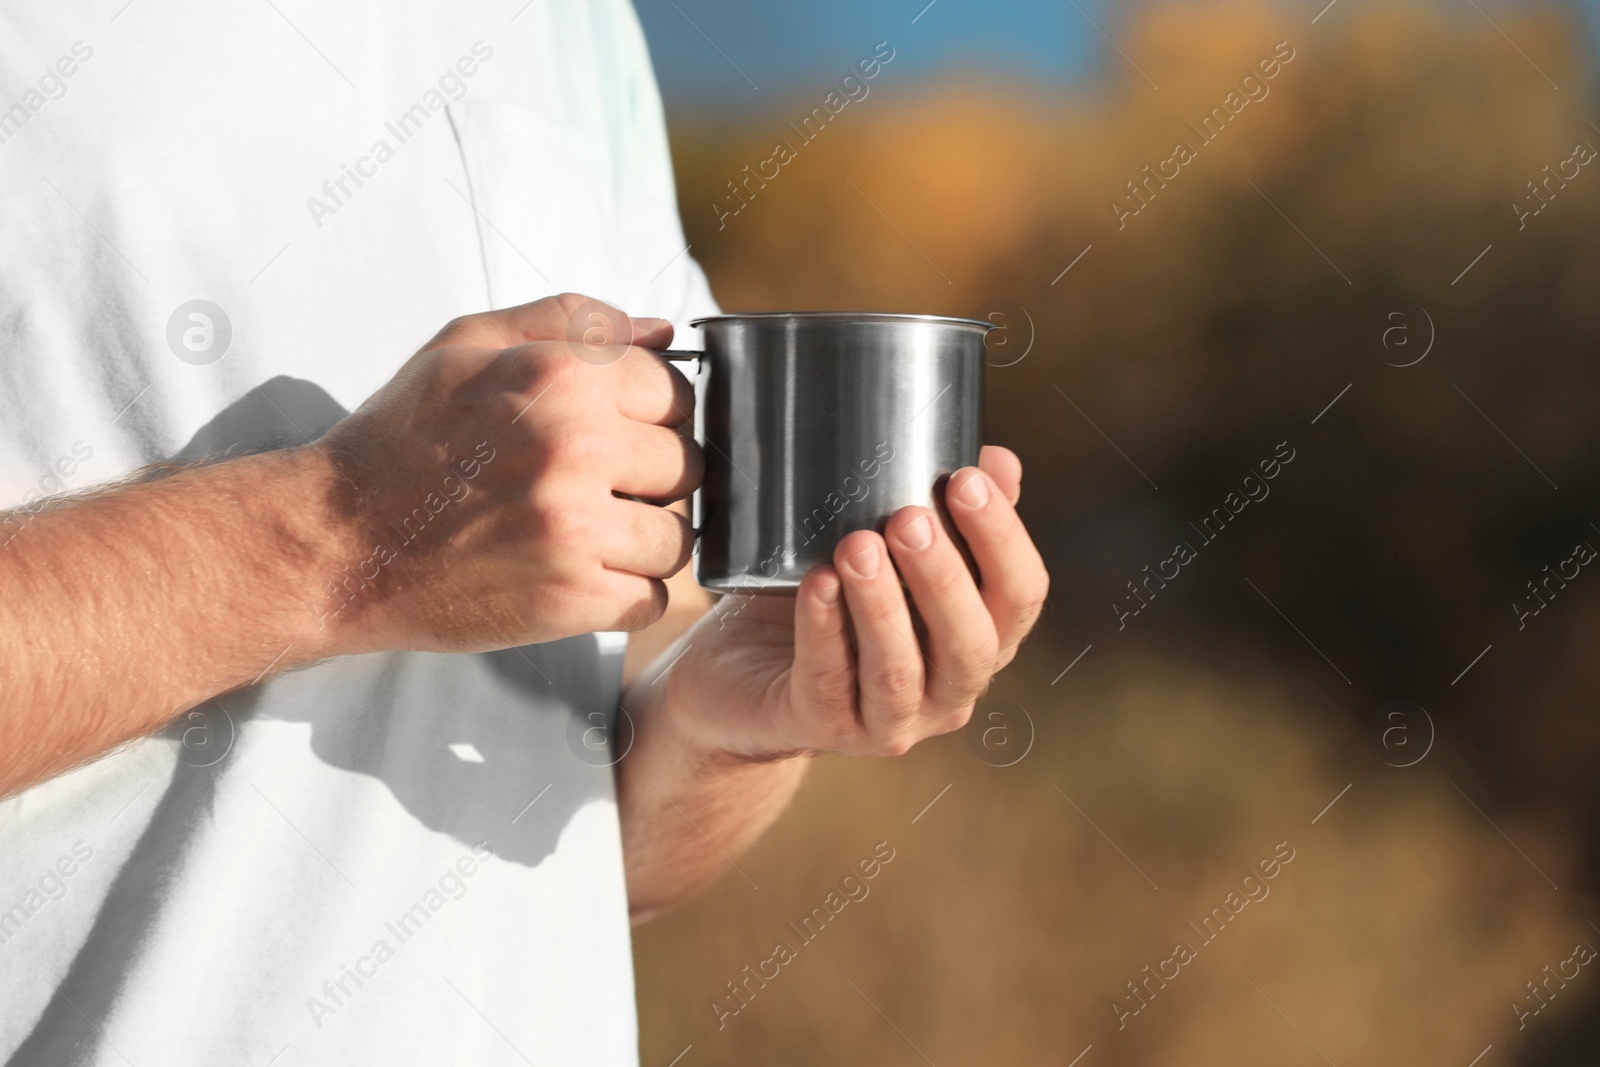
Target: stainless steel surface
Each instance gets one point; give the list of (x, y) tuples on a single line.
[(817, 424), (842, 316)]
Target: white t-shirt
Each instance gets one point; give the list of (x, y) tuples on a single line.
[(388, 859)]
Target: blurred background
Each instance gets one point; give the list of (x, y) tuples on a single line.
[(1381, 262)]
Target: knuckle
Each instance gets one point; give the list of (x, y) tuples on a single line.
[(975, 661), (566, 595), (896, 745), (1032, 604), (460, 326), (1041, 591), (1038, 582), (575, 448), (550, 368), (570, 304), (896, 677), (646, 609), (553, 521), (447, 364)]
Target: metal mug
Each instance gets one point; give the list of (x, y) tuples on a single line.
[(817, 424)]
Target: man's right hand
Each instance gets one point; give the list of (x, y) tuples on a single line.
[(482, 496), (480, 499)]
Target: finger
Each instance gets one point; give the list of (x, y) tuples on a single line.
[(1012, 578), (624, 601), (652, 333), (962, 643), (824, 677), (1002, 464), (643, 539), (652, 390), (889, 677), (656, 463), (642, 386)]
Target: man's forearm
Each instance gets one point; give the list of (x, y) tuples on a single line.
[(688, 812), (126, 607)]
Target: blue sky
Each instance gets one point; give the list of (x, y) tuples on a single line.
[(708, 52)]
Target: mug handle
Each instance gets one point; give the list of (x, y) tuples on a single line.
[(685, 355)]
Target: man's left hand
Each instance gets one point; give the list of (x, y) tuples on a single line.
[(840, 667)]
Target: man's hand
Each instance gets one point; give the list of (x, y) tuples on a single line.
[(843, 666), (510, 445), (851, 674), (472, 503)]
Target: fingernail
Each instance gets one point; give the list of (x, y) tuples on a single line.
[(828, 592), (866, 562), (647, 325), (974, 492), (917, 534)]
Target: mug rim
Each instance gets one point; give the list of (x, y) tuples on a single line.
[(844, 316)]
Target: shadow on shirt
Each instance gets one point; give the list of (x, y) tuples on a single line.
[(476, 746)]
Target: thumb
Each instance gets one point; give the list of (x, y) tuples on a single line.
[(654, 334)]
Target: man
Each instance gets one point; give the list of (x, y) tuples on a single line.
[(274, 795)]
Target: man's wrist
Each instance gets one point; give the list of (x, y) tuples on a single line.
[(316, 549)]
